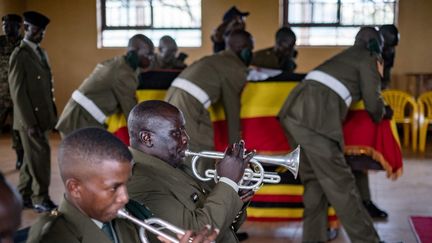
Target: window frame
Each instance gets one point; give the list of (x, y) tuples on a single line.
[(285, 20), (104, 27)]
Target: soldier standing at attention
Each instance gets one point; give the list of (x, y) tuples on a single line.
[(31, 87), (11, 24)]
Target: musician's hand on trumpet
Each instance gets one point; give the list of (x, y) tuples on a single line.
[(234, 162), (206, 235), (247, 195)]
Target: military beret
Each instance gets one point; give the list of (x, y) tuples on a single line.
[(36, 18), (232, 13), (12, 17)]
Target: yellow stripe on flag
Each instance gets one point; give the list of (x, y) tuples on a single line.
[(275, 212), (292, 190), (150, 94), (264, 98), (359, 105), (280, 212), (115, 122), (260, 99)]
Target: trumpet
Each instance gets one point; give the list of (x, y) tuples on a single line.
[(290, 161), (154, 225)]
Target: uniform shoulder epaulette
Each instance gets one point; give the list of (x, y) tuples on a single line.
[(49, 219)]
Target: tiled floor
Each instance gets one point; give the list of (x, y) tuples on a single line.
[(409, 195)]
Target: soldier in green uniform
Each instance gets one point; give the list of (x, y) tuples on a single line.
[(95, 167), (281, 55), (390, 34), (167, 57), (109, 89), (31, 89), (11, 24), (158, 143), (312, 117), (10, 211), (216, 78)]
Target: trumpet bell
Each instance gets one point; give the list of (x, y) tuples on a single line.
[(291, 162)]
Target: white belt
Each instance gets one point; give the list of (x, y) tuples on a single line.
[(331, 82), (89, 106), (193, 90)]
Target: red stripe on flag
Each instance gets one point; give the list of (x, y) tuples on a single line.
[(260, 133), (123, 135), (274, 219), (277, 198)]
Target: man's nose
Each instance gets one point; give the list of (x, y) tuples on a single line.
[(123, 196), (185, 137)]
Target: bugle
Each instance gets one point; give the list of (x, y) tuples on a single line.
[(153, 225), (290, 161)]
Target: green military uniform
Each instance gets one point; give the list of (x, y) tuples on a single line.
[(6, 106), (267, 58), (111, 86), (70, 225), (362, 181), (222, 77), (174, 196), (31, 88), (312, 116)]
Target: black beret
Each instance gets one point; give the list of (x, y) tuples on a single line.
[(12, 17), (232, 13), (36, 18)]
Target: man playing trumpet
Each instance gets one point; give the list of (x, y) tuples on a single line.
[(95, 167), (158, 143)]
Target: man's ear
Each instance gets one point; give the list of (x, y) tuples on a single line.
[(73, 186), (146, 138)]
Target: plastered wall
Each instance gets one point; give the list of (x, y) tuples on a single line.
[(71, 37)]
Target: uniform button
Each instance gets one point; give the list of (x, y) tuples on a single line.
[(52, 90), (53, 99), (38, 77), (36, 109)]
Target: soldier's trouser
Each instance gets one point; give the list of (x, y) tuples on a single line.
[(327, 178), (362, 181), (35, 174)]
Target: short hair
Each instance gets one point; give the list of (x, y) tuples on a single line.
[(237, 38), (168, 39), (285, 32), (140, 37), (366, 34), (139, 117), (390, 34), (88, 148)]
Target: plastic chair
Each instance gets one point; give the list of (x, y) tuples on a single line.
[(424, 103), (401, 102)]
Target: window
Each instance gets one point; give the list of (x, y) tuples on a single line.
[(335, 22), (121, 19)]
